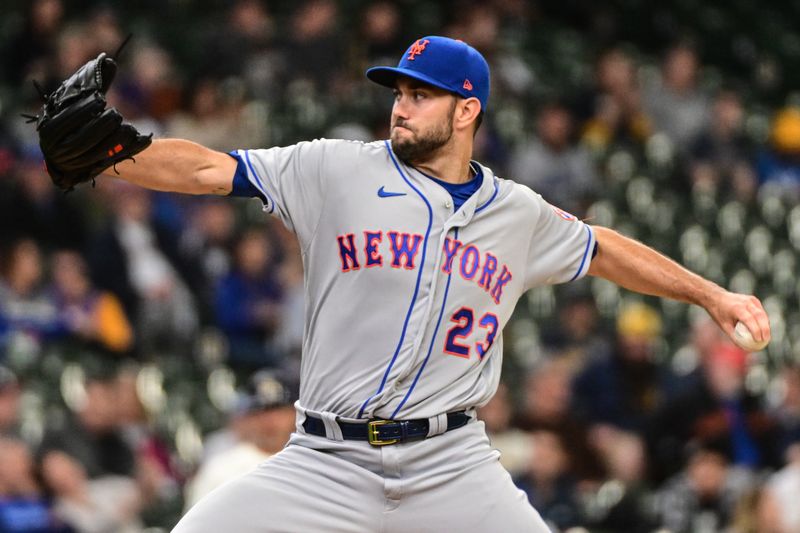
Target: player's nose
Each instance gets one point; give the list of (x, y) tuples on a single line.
[(400, 109)]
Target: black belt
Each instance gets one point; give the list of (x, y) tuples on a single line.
[(380, 432)]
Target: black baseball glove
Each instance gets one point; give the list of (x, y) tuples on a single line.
[(78, 135)]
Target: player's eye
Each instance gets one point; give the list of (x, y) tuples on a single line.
[(419, 95), (396, 94)]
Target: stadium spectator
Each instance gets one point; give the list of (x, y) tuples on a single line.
[(93, 317), (624, 460), (223, 439), (157, 478), (722, 156), (100, 505), (717, 411), (289, 338), (207, 242), (74, 48), (24, 307), (315, 48), (549, 483), (32, 207), (29, 53), (622, 453), (219, 118), (93, 435), (547, 403), (479, 25), (150, 88), (778, 511), (554, 165), (248, 30), (10, 394), (266, 419), (139, 262), (248, 303), (576, 333), (611, 111), (787, 411), (24, 507), (624, 388), (687, 363), (778, 164), (705, 495), (675, 103), (380, 29), (512, 442), (104, 27)]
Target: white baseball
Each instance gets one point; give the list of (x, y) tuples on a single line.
[(745, 340)]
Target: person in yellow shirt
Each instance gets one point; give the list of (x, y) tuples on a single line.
[(89, 314)]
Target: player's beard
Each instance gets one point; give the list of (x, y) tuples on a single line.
[(421, 147)]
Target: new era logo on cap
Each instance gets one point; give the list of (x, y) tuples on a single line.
[(446, 63)]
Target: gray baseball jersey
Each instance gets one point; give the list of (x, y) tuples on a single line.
[(405, 298)]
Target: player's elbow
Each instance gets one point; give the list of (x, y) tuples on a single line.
[(213, 176), (607, 243)]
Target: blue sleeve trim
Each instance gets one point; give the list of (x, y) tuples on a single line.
[(270, 202), (242, 186), (585, 253)]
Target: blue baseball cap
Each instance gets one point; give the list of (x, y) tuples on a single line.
[(442, 62)]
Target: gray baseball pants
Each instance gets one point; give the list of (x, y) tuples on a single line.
[(450, 482)]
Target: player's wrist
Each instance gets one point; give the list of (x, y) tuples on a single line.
[(709, 294)]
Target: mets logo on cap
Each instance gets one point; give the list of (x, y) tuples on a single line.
[(417, 48)]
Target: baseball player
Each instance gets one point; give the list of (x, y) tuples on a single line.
[(415, 256)]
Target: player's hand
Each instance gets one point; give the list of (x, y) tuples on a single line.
[(78, 135), (727, 308)]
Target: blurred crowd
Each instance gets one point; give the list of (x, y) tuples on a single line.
[(149, 343)]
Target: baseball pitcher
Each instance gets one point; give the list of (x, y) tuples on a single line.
[(415, 256)]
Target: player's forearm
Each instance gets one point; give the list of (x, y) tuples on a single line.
[(636, 267), (177, 165)]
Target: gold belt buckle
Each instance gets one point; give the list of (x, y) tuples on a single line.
[(372, 433)]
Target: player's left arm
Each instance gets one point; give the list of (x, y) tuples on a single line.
[(636, 267)]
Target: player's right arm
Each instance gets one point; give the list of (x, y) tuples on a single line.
[(639, 268), (291, 181), (176, 165)]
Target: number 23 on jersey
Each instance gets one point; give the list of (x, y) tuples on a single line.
[(463, 323)]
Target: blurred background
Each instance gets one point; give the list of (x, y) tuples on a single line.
[(149, 343)]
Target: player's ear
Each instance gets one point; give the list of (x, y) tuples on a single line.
[(467, 112)]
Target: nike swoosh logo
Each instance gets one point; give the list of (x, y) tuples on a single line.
[(387, 194)]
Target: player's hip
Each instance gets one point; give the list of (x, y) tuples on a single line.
[(445, 454)]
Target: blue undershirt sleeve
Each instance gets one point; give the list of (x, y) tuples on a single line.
[(241, 183)]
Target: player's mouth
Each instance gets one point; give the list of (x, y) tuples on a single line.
[(399, 128)]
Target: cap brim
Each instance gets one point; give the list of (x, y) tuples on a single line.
[(387, 76)]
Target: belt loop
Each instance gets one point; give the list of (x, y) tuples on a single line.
[(300, 417), (437, 424), (332, 429)]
